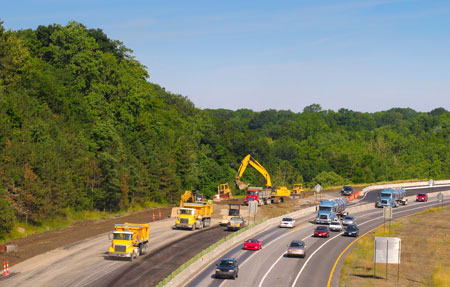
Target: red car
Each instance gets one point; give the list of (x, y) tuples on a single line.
[(422, 197), (252, 244), (322, 231)]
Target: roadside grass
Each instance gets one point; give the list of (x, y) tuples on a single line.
[(205, 251), (65, 218), (424, 256)]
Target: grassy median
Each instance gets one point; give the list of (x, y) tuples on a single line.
[(424, 259)]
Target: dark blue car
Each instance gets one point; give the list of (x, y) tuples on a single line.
[(227, 268)]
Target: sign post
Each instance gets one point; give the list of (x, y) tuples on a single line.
[(318, 189), (252, 207), (388, 251)]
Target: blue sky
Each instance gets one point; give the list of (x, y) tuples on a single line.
[(362, 55)]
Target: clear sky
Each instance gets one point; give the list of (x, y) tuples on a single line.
[(361, 55)]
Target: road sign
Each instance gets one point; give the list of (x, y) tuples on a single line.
[(440, 197), (387, 212), (387, 250), (252, 206), (318, 188)]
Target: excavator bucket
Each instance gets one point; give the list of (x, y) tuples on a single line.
[(241, 185)]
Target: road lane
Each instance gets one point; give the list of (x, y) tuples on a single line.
[(276, 270)]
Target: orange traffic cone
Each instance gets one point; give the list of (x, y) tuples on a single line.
[(160, 214), (153, 216), (4, 268), (7, 267)]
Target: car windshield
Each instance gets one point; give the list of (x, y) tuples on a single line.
[(321, 228), (226, 263), (349, 217), (252, 241), (325, 208), (187, 211), (348, 188), (236, 219), (297, 244), (351, 227), (335, 223), (122, 236), (252, 193), (421, 194), (288, 219)]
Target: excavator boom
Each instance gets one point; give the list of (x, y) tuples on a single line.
[(256, 165)]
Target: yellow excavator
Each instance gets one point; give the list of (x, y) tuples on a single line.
[(256, 165), (268, 193)]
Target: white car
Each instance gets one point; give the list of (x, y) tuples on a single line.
[(335, 226), (287, 222)]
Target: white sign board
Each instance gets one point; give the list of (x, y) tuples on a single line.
[(387, 212), (252, 206), (318, 188), (387, 250)]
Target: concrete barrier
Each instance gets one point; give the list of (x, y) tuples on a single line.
[(402, 185), (181, 278)]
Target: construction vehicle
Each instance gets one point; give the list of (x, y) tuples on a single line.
[(262, 195), (256, 165), (189, 196), (331, 210), (234, 209), (259, 194), (194, 215), (391, 198), (297, 189), (129, 240), (224, 192), (280, 194)]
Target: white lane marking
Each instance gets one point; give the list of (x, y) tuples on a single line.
[(268, 244), (273, 265), (306, 262)]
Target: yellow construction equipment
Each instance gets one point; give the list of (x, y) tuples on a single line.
[(189, 196), (194, 215), (280, 194), (297, 189), (224, 192), (129, 240), (256, 165)]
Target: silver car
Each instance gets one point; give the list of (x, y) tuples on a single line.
[(335, 226), (348, 219), (287, 222), (296, 248)]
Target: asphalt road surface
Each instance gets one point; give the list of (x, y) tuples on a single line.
[(270, 266)]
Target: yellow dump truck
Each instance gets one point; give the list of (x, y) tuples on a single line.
[(129, 240), (194, 215), (280, 194)]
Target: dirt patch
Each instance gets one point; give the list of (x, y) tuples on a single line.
[(424, 260), (39, 243)]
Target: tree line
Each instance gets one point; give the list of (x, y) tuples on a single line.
[(82, 127)]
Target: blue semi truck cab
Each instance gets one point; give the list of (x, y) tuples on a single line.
[(391, 198), (331, 210)]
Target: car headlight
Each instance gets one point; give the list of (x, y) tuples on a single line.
[(231, 270), (217, 270)]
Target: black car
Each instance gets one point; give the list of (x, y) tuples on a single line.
[(351, 230), (227, 268), (347, 190)]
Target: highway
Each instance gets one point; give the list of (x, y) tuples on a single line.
[(270, 266), (85, 263)]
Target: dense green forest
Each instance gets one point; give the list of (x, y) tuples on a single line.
[(82, 127)]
